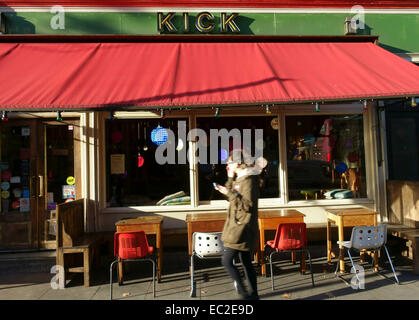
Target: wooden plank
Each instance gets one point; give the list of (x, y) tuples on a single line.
[(351, 211), (365, 220), (139, 220), (147, 228), (199, 217), (291, 213)]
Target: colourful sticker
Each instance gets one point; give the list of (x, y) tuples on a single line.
[(15, 179), (15, 204), (5, 194), (71, 180), (5, 185), (69, 191), (5, 176), (275, 123), (17, 193), (25, 205)]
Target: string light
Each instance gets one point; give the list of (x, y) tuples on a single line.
[(217, 112), (59, 118), (413, 102), (162, 114), (317, 107), (4, 116), (365, 105), (268, 110)]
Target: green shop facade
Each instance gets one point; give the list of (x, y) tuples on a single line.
[(107, 158)]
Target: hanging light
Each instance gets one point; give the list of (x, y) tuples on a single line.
[(111, 115), (413, 102), (59, 118), (365, 104), (268, 110), (317, 107), (4, 116), (162, 114), (217, 112), (159, 135)]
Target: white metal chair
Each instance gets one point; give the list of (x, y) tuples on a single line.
[(371, 238), (206, 245)]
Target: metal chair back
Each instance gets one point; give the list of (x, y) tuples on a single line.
[(369, 237), (207, 244)]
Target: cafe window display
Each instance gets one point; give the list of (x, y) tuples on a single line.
[(325, 157), (265, 145), (134, 176), (14, 169)]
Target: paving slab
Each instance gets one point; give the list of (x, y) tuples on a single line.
[(213, 283)]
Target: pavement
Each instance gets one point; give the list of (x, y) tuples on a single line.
[(26, 276)]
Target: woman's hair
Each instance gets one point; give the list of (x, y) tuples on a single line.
[(242, 158)]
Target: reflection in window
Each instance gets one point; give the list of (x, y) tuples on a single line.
[(133, 175), (326, 157), (209, 173)]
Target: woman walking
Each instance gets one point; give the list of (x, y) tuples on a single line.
[(241, 226)]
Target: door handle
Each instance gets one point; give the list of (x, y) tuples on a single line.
[(33, 186), (41, 186)]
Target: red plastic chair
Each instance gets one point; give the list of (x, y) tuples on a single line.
[(289, 237), (132, 246)]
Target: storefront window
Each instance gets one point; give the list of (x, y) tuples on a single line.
[(266, 145), (326, 158), (134, 176)]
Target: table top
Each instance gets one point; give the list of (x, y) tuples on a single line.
[(350, 211), (205, 216), (286, 213), (140, 220)]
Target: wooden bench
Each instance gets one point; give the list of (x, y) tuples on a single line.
[(75, 248), (411, 235)]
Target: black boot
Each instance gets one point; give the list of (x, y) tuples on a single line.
[(241, 291)]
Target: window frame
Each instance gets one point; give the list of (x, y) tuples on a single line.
[(245, 111)]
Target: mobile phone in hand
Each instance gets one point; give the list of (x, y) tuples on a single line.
[(214, 184)]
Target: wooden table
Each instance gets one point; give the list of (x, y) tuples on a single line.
[(347, 218), (204, 222), (150, 225), (269, 220)]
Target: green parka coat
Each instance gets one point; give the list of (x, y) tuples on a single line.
[(241, 227)]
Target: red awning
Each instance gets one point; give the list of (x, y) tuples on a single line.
[(105, 75)]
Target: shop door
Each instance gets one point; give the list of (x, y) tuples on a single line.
[(62, 172), (22, 184)]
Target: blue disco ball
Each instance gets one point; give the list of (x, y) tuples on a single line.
[(341, 167), (159, 136)]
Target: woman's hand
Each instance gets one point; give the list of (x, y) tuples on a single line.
[(221, 189)]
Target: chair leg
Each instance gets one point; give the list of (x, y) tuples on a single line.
[(391, 264), (272, 272), (337, 267), (264, 258), (110, 284), (353, 265), (154, 276), (311, 269), (193, 284), (86, 266)]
